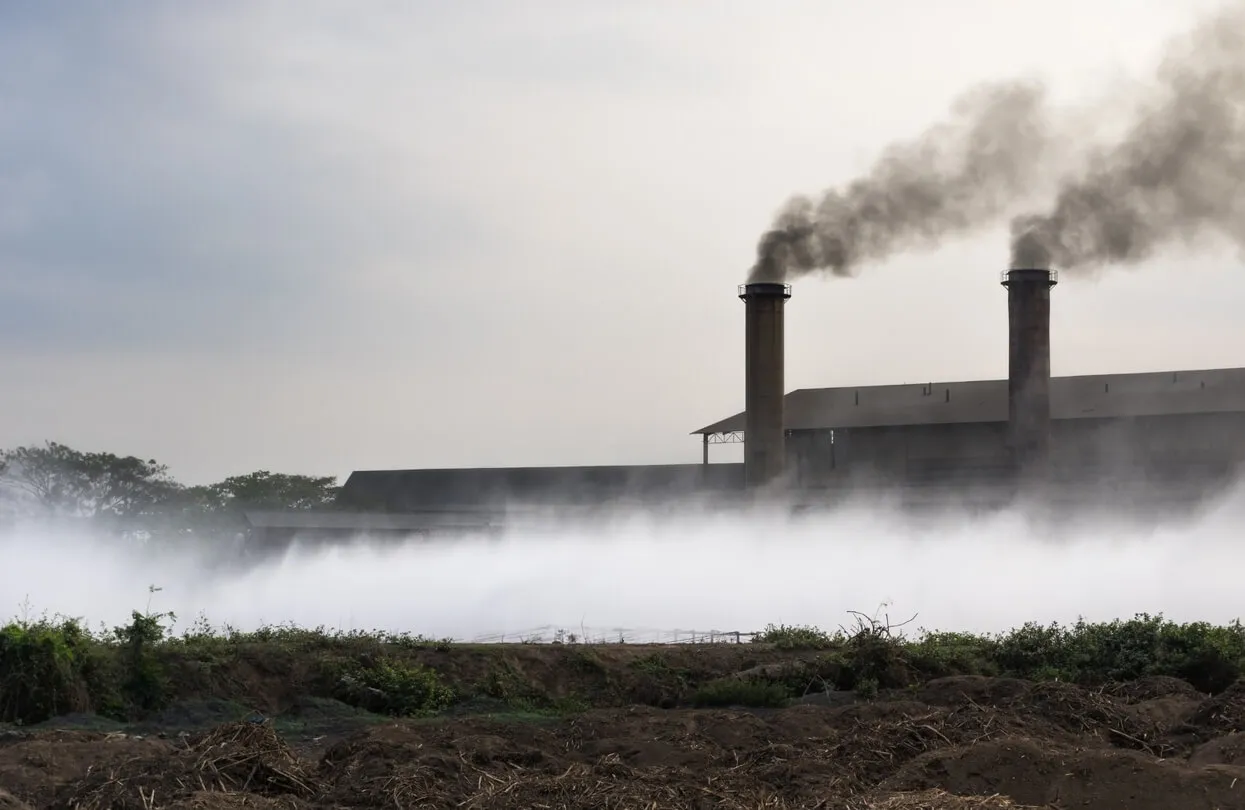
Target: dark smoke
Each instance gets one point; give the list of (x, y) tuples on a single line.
[(1178, 174), (958, 176)]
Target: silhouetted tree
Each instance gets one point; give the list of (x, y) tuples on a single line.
[(57, 480), (267, 490)]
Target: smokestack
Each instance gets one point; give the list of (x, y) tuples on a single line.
[(764, 439), (1028, 366)]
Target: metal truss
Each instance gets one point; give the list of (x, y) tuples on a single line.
[(734, 437)]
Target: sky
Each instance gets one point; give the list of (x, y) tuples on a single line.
[(322, 236)]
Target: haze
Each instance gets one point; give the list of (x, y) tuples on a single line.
[(644, 577), (261, 235)]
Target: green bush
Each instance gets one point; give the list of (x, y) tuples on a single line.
[(796, 637), (144, 681), (733, 692), (55, 667), (42, 670), (399, 690), (1211, 658), (938, 655)]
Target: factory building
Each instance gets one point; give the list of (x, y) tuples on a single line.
[(1183, 430), (500, 489), (1177, 425)]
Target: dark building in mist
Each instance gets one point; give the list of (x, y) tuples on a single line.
[(502, 488), (1182, 430), (1172, 428), (1180, 426)]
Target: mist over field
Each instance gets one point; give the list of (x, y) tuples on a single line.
[(647, 576)]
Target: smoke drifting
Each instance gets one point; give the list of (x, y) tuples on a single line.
[(1177, 173), (644, 575), (958, 176)]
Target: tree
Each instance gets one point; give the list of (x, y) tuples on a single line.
[(266, 490), (64, 482)]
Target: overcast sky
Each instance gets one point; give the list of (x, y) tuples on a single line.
[(320, 236)]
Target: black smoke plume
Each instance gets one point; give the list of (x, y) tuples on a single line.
[(1177, 175), (956, 177)]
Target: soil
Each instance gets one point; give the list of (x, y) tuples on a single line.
[(957, 742)]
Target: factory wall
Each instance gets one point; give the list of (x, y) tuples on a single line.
[(1159, 447), (891, 453), (499, 487), (1175, 446)]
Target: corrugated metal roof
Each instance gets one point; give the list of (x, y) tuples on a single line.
[(1158, 393), (406, 490)]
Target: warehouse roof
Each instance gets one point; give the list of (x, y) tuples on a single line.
[(473, 488), (1158, 393)]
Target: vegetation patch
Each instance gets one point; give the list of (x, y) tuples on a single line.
[(735, 692), (395, 689), (142, 671)]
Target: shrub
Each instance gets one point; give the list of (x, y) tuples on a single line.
[(395, 689), (1211, 658), (735, 692), (793, 637), (144, 681), (937, 655), (41, 670)]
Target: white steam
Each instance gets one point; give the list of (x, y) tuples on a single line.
[(650, 575)]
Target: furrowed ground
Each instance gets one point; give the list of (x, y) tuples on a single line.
[(1141, 714)]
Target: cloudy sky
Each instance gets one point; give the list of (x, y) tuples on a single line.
[(318, 236)]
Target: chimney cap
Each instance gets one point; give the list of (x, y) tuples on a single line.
[(1030, 275), (764, 289)]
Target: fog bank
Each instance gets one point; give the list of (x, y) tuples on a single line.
[(644, 577)]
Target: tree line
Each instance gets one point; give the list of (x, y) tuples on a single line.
[(128, 494)]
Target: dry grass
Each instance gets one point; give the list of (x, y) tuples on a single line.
[(236, 759), (938, 800)]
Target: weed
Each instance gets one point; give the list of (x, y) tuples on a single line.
[(793, 637), (394, 689), (867, 688), (145, 682), (585, 660), (656, 666), (41, 669), (736, 692), (55, 666)]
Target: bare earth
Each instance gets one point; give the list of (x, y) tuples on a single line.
[(963, 742)]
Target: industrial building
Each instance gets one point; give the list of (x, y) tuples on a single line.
[(501, 488), (1158, 425), (1181, 430)]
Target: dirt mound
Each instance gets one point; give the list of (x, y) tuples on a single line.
[(963, 743), (1222, 714), (10, 802), (1229, 750), (940, 800), (243, 758), (1101, 778), (961, 689), (212, 800), (37, 766), (1153, 688)]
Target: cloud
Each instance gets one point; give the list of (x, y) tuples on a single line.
[(141, 204)]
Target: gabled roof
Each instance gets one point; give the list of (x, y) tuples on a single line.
[(1158, 393)]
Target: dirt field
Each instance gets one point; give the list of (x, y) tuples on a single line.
[(957, 742)]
